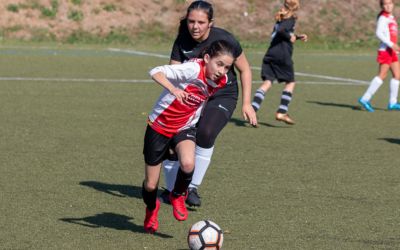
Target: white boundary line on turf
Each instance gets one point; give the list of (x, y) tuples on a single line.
[(349, 80), (43, 79), (90, 80), (340, 79), (344, 81), (136, 52)]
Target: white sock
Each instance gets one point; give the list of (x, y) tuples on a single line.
[(170, 171), (394, 91), (202, 161), (373, 87)]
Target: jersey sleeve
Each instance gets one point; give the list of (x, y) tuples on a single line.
[(178, 73), (382, 31), (175, 53)]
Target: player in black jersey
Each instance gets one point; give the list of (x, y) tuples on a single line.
[(277, 62), (196, 32)]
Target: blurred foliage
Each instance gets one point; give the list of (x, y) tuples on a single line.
[(75, 15)]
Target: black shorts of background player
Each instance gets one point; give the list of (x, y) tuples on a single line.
[(277, 63)]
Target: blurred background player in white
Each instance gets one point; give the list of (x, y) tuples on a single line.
[(196, 32), (171, 124), (277, 62), (388, 59)]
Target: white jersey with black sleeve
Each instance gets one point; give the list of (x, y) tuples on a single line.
[(169, 116)]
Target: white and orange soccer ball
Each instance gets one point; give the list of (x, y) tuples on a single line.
[(205, 235)]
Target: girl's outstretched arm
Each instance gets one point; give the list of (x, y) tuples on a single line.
[(243, 66)]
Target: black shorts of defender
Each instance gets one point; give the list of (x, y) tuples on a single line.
[(158, 147), (280, 72)]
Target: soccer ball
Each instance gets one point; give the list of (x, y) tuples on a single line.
[(205, 234)]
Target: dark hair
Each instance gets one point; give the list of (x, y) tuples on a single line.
[(196, 5), (201, 5), (219, 47)]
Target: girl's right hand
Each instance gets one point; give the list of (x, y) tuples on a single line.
[(179, 94)]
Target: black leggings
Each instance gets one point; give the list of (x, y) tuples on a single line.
[(214, 118)]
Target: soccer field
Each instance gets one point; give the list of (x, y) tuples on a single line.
[(71, 136)]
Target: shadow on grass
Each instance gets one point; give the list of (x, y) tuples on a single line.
[(339, 105), (387, 243), (239, 122), (115, 189), (243, 123), (391, 140), (111, 220)]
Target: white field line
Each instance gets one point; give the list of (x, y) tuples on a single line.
[(323, 54), (348, 80), (43, 79), (333, 78), (337, 80), (136, 52), (321, 83), (90, 80)]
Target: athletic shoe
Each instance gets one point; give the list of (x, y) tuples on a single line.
[(178, 206), (164, 197), (395, 106), (193, 198), (366, 105), (284, 118), (151, 220)]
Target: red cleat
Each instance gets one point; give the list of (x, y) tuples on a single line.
[(178, 206), (151, 220)]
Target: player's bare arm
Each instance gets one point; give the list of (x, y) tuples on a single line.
[(243, 66)]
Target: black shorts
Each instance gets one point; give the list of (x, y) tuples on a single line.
[(158, 147), (225, 104), (280, 72)]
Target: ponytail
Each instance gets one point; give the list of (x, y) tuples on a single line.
[(288, 10)]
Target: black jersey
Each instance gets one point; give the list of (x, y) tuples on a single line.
[(185, 48), (281, 48)]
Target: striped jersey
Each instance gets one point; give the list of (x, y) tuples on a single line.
[(169, 116), (386, 30)]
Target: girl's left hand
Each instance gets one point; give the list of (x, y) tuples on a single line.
[(303, 37), (249, 115)]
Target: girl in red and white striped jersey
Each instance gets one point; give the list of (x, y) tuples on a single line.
[(171, 124), (386, 32)]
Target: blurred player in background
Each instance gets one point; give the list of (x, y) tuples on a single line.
[(196, 32), (171, 124), (386, 31), (277, 62)]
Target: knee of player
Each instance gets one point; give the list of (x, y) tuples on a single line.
[(150, 185), (383, 74), (187, 165)]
